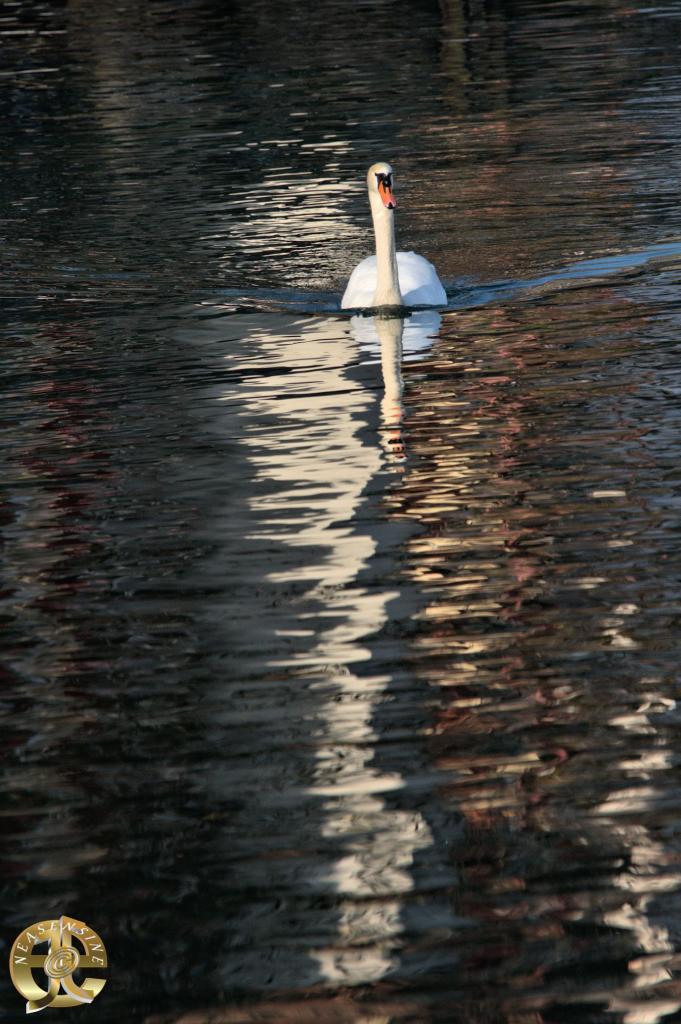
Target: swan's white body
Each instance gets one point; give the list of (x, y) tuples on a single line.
[(418, 283), (390, 278)]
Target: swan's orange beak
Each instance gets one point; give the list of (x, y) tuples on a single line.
[(386, 194)]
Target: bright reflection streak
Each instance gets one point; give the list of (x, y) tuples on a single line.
[(643, 880), (321, 468)]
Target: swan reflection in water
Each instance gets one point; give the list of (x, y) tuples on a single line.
[(322, 595), (396, 339)]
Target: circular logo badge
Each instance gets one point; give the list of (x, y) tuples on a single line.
[(44, 958)]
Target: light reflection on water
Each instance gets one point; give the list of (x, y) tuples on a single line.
[(339, 655), (495, 550), (324, 475)]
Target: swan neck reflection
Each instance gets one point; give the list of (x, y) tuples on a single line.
[(390, 332)]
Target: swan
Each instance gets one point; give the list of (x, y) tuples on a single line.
[(390, 278)]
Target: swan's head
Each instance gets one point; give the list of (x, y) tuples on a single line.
[(380, 182)]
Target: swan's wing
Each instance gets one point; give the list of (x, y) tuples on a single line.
[(419, 283), (361, 287)]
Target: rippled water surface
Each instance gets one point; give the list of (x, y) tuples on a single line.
[(340, 655)]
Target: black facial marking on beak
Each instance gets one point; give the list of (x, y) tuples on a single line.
[(384, 184)]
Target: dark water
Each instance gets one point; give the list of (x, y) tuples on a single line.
[(340, 658)]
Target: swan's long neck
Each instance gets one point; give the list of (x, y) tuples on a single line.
[(387, 280)]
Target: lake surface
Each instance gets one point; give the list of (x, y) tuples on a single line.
[(340, 657)]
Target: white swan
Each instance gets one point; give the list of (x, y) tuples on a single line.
[(390, 278)]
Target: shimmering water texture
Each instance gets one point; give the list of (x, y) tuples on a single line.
[(340, 654)]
